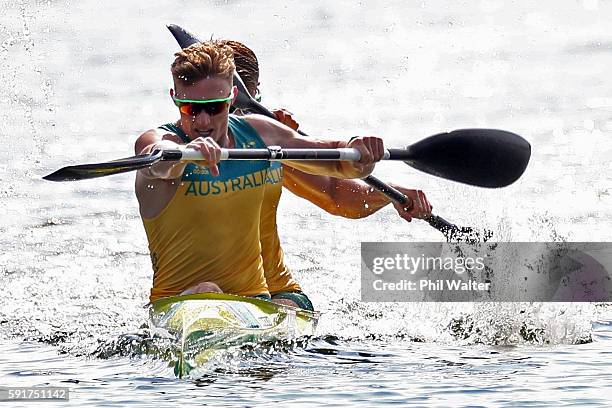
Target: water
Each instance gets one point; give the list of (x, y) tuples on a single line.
[(81, 80)]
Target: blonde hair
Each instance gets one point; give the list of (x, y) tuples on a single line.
[(247, 65), (203, 60)]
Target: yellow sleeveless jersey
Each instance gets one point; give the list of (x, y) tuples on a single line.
[(278, 275), (209, 232)]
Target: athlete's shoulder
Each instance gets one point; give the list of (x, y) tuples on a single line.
[(271, 131), (259, 120), (156, 135), (145, 140)]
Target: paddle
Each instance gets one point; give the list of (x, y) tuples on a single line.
[(245, 102), (418, 155)]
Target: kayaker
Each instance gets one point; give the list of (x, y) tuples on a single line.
[(202, 220), (343, 197)]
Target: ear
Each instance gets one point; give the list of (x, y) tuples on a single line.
[(172, 93), (234, 93)]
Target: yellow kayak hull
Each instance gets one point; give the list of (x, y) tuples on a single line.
[(209, 322)]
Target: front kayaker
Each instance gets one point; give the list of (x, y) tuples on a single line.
[(343, 197), (202, 219)]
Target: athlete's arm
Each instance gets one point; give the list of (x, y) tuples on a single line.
[(346, 198), (164, 170), (274, 133), (350, 198)]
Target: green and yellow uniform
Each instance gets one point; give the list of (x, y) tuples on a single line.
[(185, 251)]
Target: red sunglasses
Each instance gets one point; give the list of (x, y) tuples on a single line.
[(212, 107)]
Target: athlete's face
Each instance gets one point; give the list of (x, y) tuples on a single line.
[(202, 121)]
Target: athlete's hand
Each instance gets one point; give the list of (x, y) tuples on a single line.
[(372, 150), (286, 118), (211, 152), (417, 207)]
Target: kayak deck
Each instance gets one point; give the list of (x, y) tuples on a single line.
[(209, 322)]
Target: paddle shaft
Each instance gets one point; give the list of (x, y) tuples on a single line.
[(276, 153), (394, 194)]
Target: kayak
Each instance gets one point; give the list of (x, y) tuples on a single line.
[(207, 323)]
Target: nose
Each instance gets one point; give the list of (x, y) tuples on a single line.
[(202, 119)]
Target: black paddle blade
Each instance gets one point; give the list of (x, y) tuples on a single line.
[(182, 36), (89, 171), (480, 157)]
